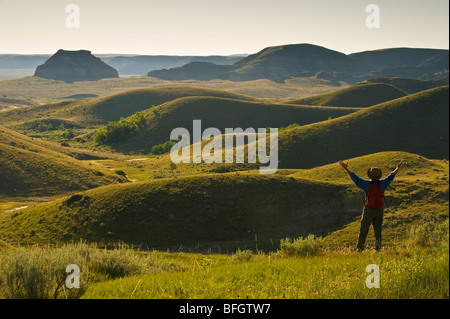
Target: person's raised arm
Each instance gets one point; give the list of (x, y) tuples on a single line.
[(345, 167), (398, 167)]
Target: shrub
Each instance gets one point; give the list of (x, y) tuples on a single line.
[(429, 234), (40, 273), (42, 126), (309, 246), (117, 263), (122, 130), (120, 172), (163, 148), (220, 169), (281, 129), (69, 134), (123, 261), (172, 166), (242, 255)]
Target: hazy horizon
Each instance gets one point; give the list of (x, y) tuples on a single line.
[(235, 54), (202, 28)]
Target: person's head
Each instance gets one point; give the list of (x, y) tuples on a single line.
[(374, 173)]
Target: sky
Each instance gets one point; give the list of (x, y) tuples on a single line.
[(211, 27)]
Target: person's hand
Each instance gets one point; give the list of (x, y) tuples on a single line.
[(344, 165), (398, 166)]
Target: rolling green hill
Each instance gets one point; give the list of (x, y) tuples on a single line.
[(29, 169), (103, 110), (360, 95), (220, 113), (410, 85), (10, 137), (414, 166), (416, 123), (185, 211), (127, 103)]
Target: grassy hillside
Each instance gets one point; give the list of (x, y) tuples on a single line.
[(29, 169), (220, 113), (228, 209), (103, 110), (415, 166), (33, 144), (416, 123), (360, 95)]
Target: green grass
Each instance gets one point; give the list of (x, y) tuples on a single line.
[(4, 246), (360, 95), (418, 271)]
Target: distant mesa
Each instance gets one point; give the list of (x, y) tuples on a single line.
[(202, 71), (279, 63), (81, 96), (273, 63), (295, 60), (71, 66)]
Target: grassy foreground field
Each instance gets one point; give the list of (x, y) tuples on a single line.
[(300, 269), (413, 273)]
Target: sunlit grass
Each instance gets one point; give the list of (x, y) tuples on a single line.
[(416, 273)]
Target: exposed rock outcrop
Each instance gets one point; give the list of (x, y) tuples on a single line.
[(71, 66)]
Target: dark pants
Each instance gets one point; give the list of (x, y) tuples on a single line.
[(370, 216)]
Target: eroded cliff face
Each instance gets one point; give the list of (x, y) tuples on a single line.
[(71, 66)]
